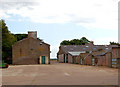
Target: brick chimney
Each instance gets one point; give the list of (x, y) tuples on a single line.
[(92, 42), (32, 34)]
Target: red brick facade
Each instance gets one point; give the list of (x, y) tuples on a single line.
[(100, 57)]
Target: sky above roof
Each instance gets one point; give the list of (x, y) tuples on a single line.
[(58, 20)]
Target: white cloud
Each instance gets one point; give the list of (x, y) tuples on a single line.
[(91, 14), (101, 14), (104, 40), (3, 15)]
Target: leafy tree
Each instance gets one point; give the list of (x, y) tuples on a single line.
[(114, 43), (8, 40), (82, 41), (65, 42), (0, 42), (20, 36)]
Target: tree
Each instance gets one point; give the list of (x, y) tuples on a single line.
[(114, 43), (65, 42), (8, 40), (84, 40), (20, 36), (81, 41)]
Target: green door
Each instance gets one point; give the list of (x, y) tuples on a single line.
[(43, 59)]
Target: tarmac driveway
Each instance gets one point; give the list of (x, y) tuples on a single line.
[(59, 74)]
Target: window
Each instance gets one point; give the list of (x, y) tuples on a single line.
[(40, 43), (114, 59)]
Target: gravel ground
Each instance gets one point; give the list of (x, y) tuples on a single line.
[(59, 74)]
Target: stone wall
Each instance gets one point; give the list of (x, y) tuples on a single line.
[(27, 51), (61, 58), (69, 58)]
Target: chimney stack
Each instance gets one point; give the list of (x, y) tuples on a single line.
[(92, 42), (32, 34)]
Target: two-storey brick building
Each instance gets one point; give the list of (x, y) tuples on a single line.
[(31, 50)]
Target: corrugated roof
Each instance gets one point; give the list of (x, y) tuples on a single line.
[(76, 53)]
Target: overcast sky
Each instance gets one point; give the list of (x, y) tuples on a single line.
[(58, 20)]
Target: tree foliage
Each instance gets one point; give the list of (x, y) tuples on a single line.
[(81, 41), (20, 36), (114, 43), (8, 40)]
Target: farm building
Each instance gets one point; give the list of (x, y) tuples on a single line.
[(102, 58), (31, 51), (74, 57), (88, 54), (116, 56), (85, 59), (70, 52)]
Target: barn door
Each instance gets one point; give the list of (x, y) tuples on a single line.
[(43, 59), (73, 60), (66, 58)]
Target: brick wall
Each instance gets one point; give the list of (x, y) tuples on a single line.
[(69, 58), (61, 58), (27, 51), (87, 60)]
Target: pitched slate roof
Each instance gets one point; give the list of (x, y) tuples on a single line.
[(77, 48), (29, 38)]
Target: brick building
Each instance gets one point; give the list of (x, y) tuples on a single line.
[(65, 50), (116, 56), (88, 54), (31, 51)]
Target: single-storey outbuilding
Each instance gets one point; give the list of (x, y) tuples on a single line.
[(89, 54)]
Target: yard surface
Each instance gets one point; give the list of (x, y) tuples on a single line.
[(59, 74)]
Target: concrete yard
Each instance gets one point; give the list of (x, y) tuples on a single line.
[(59, 74)]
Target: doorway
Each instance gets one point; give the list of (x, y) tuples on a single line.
[(67, 58), (73, 60), (43, 59), (64, 58)]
